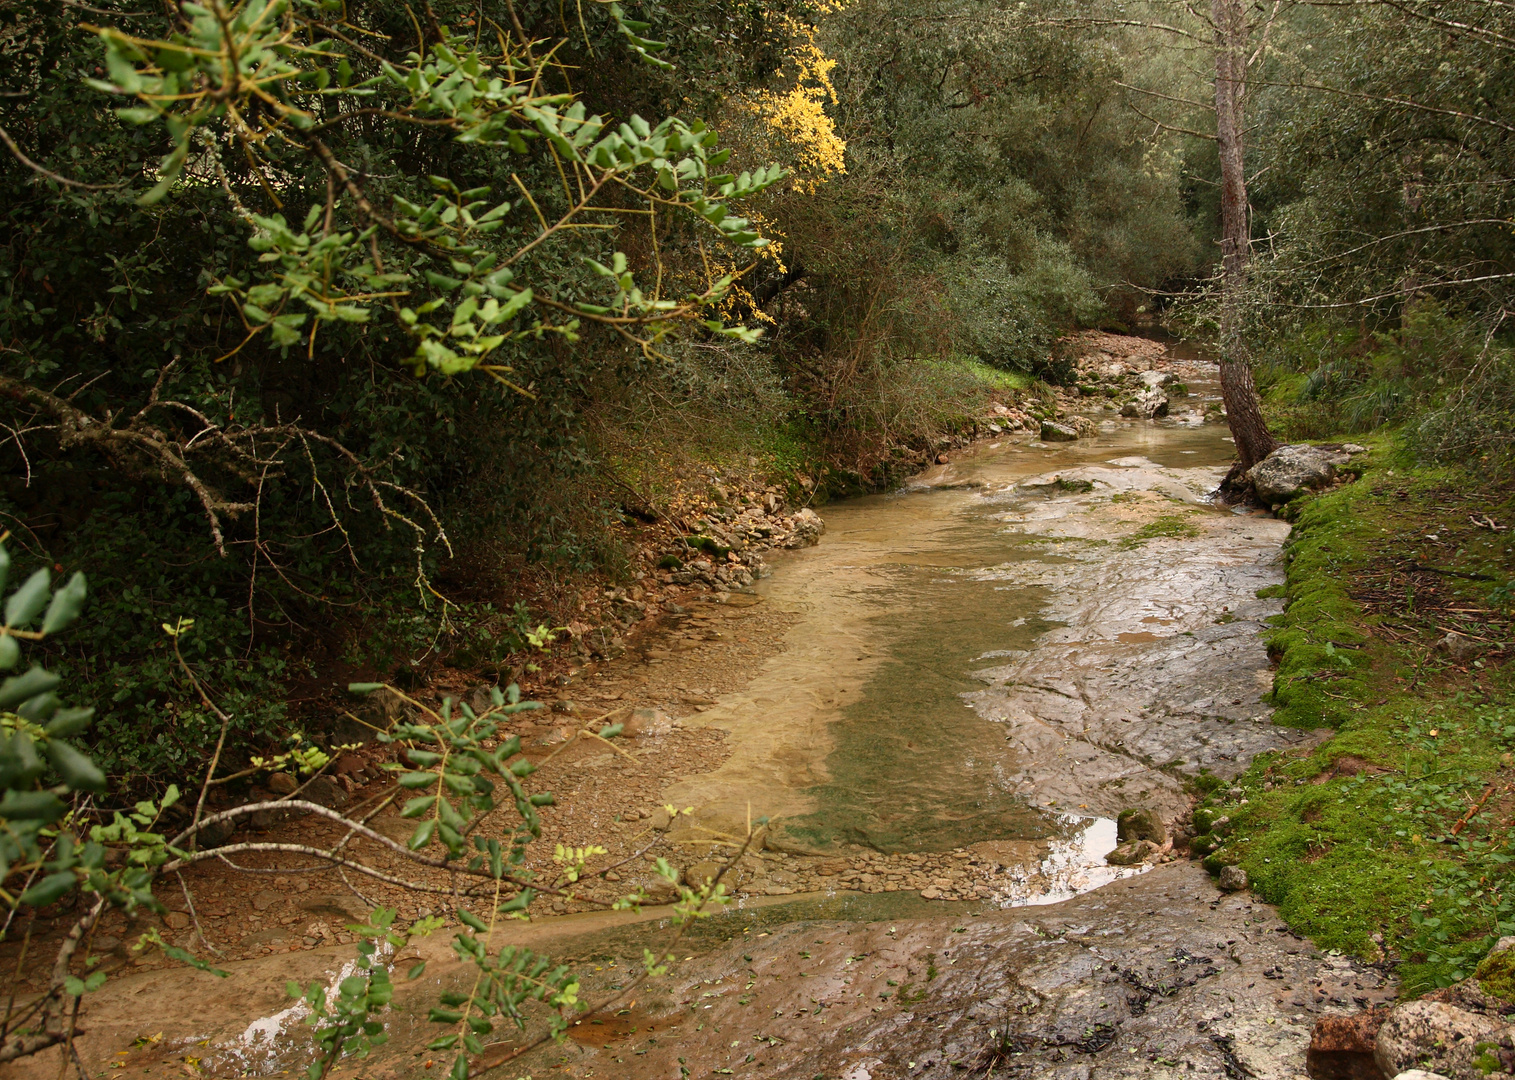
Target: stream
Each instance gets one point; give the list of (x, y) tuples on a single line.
[(987, 665)]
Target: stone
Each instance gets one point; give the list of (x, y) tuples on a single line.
[(1233, 878), (1341, 1047), (281, 783), (264, 899), (1132, 854), (176, 920), (1459, 647), (1437, 1037), (660, 820), (807, 527), (646, 722), (324, 791), (701, 874), (215, 834), (1291, 469), (1147, 405), (1135, 824), (1084, 427), (1052, 431), (1421, 1074)]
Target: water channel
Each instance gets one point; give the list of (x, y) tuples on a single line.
[(1010, 650)]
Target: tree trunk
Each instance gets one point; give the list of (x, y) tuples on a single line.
[(1243, 409)]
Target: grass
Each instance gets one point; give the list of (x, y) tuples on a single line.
[(1371, 840), (992, 377)]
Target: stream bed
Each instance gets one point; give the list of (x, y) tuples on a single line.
[(988, 665)]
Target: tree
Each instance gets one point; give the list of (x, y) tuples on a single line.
[(1225, 35), (1243, 408)]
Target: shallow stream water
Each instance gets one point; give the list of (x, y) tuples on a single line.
[(946, 632)]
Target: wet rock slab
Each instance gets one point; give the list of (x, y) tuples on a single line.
[(1156, 976), (1157, 663)]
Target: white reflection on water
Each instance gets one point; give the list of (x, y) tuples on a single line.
[(1071, 866)]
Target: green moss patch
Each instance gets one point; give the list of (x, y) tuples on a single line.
[(1496, 975), (1167, 527)]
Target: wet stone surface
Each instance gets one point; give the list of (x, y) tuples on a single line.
[(1157, 976)]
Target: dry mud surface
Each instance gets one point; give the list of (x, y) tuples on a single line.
[(948, 699)]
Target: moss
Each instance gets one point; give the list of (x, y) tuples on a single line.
[(1496, 975), (1353, 838), (1169, 526)]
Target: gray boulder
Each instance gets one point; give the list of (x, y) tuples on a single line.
[(1140, 825), (1052, 431), (1132, 853), (1440, 1038), (1147, 405), (807, 526), (1233, 878), (1291, 469)]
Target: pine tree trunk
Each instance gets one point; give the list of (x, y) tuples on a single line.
[(1243, 409)]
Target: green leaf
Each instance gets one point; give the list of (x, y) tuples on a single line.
[(49, 889), (27, 602), (78, 771), (66, 604), (19, 688), (173, 952), (31, 806), (364, 687), (422, 836), (66, 722), (10, 652), (416, 970), (471, 920)]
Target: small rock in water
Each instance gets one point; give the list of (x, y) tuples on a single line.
[(1140, 825), (1341, 1047), (1233, 878), (1052, 431), (1132, 854)]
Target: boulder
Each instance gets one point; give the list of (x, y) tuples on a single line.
[(701, 874), (1133, 853), (1140, 825), (1052, 431), (807, 527), (1233, 878), (1442, 1038), (1292, 469), (1149, 404), (645, 722), (324, 791)]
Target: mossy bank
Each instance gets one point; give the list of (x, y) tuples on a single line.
[(1392, 839)]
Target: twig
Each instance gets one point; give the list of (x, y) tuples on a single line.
[(194, 916), (1463, 821)]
